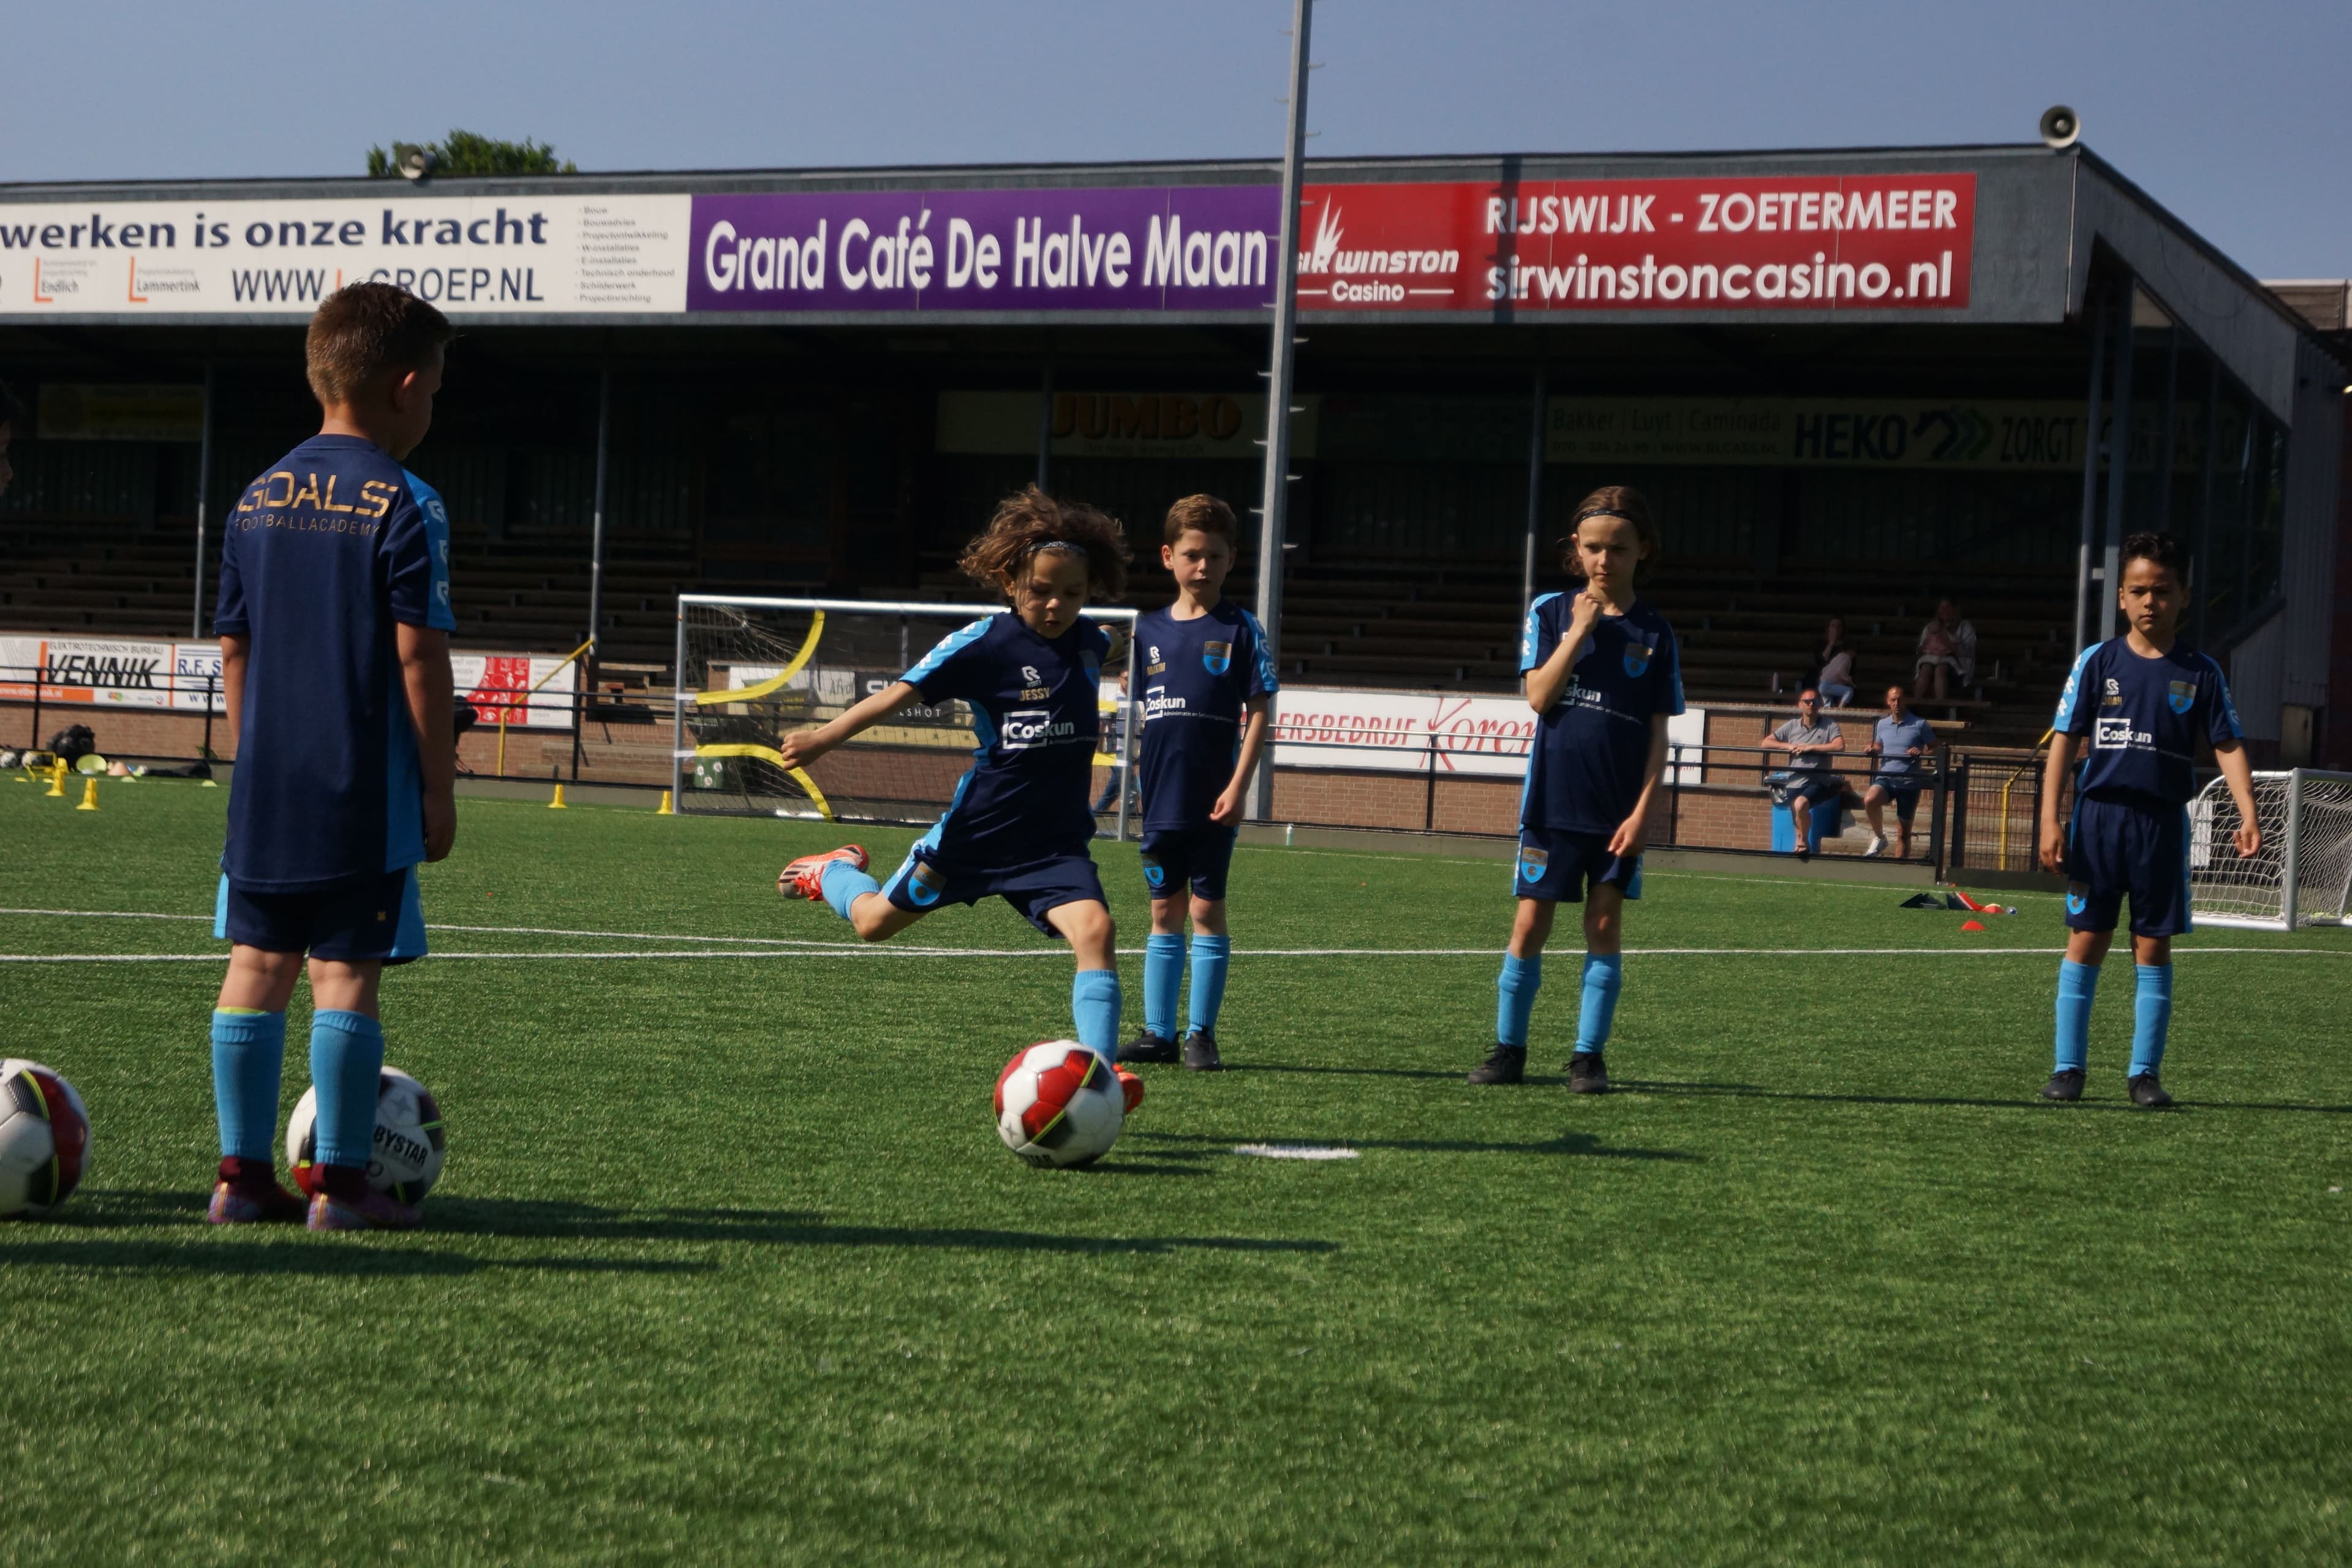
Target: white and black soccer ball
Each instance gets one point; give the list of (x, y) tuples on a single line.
[(1059, 1104), (43, 1138), (410, 1143)]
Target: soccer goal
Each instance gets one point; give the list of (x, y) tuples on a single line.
[(2303, 875), (752, 670)]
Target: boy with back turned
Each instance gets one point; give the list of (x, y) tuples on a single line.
[(334, 622)]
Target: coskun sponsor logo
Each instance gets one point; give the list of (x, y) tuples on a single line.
[(2115, 734), (1157, 701), (1027, 727)]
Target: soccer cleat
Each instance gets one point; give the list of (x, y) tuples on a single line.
[(1148, 1046), (1132, 1087), (246, 1203), (806, 876), (2065, 1084), (372, 1210), (1588, 1073), (1877, 845), (1503, 1064), (2147, 1092), (1200, 1053)]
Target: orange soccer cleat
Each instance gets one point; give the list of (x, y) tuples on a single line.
[(1132, 1087), (806, 876)]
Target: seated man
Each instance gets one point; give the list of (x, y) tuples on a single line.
[(1810, 740), (1904, 744)]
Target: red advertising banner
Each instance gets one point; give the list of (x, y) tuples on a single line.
[(1825, 242)]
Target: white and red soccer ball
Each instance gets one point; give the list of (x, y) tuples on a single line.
[(408, 1148), (1059, 1104), (43, 1138)]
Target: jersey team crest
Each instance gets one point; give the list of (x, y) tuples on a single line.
[(1217, 655), (1154, 873), (1637, 657), (1532, 862), (928, 883), (2181, 695)]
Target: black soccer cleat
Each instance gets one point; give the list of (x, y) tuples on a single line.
[(1503, 1064), (1588, 1073), (1200, 1053), (1148, 1046), (2147, 1092), (2065, 1084)]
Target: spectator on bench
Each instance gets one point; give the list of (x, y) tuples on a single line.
[(1832, 669), (1947, 655), (1811, 740), (1904, 744)]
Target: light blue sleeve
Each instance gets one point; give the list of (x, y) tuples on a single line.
[(1675, 704), (2221, 721), (439, 614), (934, 664), (1532, 651), (1261, 680), (2071, 707)]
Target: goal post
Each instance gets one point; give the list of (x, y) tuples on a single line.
[(751, 670), (2302, 875)]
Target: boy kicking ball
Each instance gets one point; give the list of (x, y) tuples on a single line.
[(1601, 669), (1207, 681), (2143, 700)]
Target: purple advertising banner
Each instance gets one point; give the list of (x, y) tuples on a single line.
[(1198, 248)]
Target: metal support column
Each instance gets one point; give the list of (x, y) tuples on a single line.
[(680, 696), (2111, 547), (597, 536), (204, 494), (2094, 442), (1275, 492), (1535, 495)]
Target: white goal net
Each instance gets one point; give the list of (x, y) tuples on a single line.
[(752, 670), (2303, 873)]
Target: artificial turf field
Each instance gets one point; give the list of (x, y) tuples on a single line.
[(727, 1264)]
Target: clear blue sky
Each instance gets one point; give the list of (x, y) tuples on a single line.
[(2236, 116)]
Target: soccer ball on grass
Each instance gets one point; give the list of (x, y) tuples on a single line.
[(1059, 1104), (43, 1138), (405, 1159)]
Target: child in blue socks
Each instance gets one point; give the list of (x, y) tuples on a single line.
[(1206, 682), (1601, 669), (2143, 700)]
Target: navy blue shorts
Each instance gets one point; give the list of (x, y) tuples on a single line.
[(1904, 790), (380, 920), (2115, 847), (1816, 787), (924, 882), (1554, 865), (1174, 856)]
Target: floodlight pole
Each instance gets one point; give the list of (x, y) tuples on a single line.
[(204, 492), (1274, 491), (596, 535)]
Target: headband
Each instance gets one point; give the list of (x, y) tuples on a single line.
[(1045, 544), (1599, 512)]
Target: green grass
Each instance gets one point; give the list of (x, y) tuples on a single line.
[(728, 1266)]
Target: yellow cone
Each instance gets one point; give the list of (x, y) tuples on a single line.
[(664, 809), (557, 804), (89, 795), (56, 782)]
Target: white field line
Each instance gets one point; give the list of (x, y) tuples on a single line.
[(863, 950)]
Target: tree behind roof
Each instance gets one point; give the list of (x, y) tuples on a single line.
[(464, 152)]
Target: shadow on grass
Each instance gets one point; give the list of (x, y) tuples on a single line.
[(1343, 1072), (1581, 1145), (2028, 1101), (64, 1241)]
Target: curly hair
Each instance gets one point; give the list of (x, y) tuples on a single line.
[(1619, 501), (1030, 520)]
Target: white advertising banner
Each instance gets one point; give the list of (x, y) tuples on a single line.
[(500, 684), (1399, 732), (534, 255)]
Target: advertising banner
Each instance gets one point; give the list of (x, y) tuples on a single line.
[(499, 684), (1120, 423), (1399, 732), (534, 255), (1817, 431)]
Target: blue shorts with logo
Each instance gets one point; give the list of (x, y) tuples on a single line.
[(1035, 887), (377, 921), (1554, 865), (1174, 857), (2115, 847), (1904, 790)]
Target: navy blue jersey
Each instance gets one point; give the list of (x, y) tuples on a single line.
[(2143, 717), (1036, 713), (1197, 679), (322, 554), (1590, 749)]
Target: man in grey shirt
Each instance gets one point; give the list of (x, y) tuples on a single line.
[(1904, 745), (1811, 740)]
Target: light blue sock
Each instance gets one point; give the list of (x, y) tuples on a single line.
[(2077, 985), (1210, 955), (346, 1055), (1515, 998), (248, 1052), (1163, 976), (1817, 827), (842, 883), (2151, 1015), (1604, 976), (1094, 1010)]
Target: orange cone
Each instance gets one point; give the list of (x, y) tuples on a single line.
[(1972, 925)]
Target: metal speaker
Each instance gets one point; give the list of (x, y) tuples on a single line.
[(2061, 127), (416, 163)]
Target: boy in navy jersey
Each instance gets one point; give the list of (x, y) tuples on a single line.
[(1018, 827), (2143, 700), (334, 622), (1601, 669), (1207, 681)]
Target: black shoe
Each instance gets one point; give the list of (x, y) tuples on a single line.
[(2146, 1091), (2065, 1084), (1503, 1064), (1588, 1073), (1200, 1053), (1148, 1046)]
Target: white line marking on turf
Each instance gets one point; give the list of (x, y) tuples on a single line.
[(878, 950), (1293, 1151)]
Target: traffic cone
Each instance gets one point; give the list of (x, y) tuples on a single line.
[(665, 808), (1972, 925), (557, 804), (56, 782), (89, 795)]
